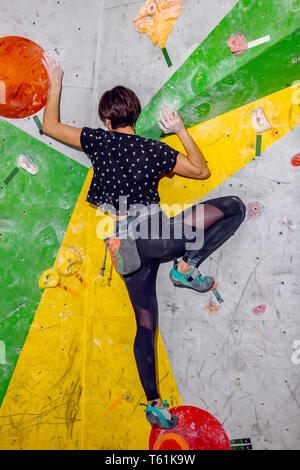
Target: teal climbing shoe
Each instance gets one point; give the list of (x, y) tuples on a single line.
[(161, 417), (193, 279)]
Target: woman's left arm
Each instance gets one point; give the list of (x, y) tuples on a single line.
[(51, 121)]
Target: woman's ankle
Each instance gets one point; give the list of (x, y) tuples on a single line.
[(184, 267), (158, 402)]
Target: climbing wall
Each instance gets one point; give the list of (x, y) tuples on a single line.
[(69, 380)]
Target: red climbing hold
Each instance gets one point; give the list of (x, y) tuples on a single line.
[(238, 44), (196, 430), (295, 161), (23, 78)]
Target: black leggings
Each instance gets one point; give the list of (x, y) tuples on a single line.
[(218, 221)]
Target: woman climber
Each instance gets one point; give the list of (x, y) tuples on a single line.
[(128, 167)]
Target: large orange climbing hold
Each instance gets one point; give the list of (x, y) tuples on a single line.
[(196, 430), (24, 82), (156, 19)]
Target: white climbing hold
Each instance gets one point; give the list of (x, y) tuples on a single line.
[(27, 164), (259, 121)]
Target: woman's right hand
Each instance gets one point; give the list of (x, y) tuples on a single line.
[(171, 122), (54, 70)]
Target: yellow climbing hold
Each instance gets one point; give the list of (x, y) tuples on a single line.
[(68, 261), (49, 278), (156, 19)]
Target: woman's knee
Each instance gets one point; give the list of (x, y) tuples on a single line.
[(233, 206), (240, 207), (229, 205)]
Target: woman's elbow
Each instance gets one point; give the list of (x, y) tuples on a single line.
[(45, 129), (207, 174), (203, 174)]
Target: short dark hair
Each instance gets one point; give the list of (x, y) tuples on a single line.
[(121, 106)]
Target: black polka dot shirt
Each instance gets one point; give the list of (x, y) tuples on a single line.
[(125, 165)]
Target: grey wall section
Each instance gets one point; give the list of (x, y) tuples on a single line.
[(238, 365)]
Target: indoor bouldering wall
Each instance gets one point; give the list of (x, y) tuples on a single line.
[(68, 377)]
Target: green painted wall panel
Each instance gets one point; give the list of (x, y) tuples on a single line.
[(34, 215), (213, 81)]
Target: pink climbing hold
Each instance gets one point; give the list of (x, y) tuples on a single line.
[(295, 161), (259, 309), (254, 209), (237, 44)]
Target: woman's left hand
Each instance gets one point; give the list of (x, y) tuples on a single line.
[(54, 70), (170, 121)]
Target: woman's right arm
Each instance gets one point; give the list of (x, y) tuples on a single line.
[(51, 122), (193, 165)]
